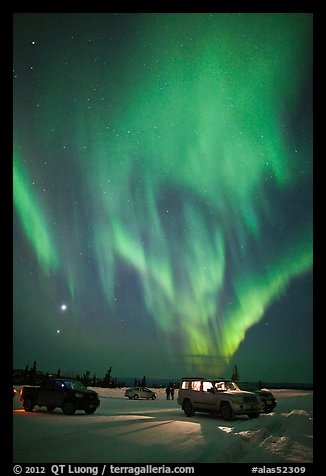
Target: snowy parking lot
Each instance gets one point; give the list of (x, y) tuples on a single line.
[(157, 431)]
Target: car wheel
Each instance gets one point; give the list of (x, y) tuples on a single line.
[(69, 407), (28, 405), (153, 397), (188, 408), (227, 412), (136, 396), (50, 408), (89, 411)]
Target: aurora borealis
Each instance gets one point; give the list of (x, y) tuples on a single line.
[(163, 193)]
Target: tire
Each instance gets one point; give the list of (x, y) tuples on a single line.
[(136, 396), (90, 411), (227, 412), (28, 405), (69, 407), (153, 397), (253, 415), (50, 408), (188, 408)]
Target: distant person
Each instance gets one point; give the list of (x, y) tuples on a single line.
[(168, 392), (172, 392)]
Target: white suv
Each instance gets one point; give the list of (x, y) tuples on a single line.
[(217, 396)]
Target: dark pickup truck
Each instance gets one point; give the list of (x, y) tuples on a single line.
[(69, 395)]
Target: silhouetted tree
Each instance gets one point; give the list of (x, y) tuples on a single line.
[(107, 378), (235, 375), (85, 378), (58, 372), (143, 382), (25, 374), (32, 374)]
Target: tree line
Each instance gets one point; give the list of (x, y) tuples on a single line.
[(32, 376)]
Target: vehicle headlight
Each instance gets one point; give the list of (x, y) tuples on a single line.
[(79, 395)]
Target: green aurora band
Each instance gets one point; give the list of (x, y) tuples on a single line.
[(187, 178), (33, 219)]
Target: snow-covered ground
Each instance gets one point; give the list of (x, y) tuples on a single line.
[(157, 431)]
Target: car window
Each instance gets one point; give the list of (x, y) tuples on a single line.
[(185, 385), (73, 385), (226, 385), (207, 386), (220, 386), (231, 386), (195, 385)]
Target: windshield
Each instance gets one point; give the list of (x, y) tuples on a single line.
[(225, 386), (74, 385)]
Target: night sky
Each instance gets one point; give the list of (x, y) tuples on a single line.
[(162, 190)]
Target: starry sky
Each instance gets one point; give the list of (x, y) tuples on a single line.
[(162, 191)]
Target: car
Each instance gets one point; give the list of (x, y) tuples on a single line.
[(140, 392), (217, 396), (68, 394), (267, 398)]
